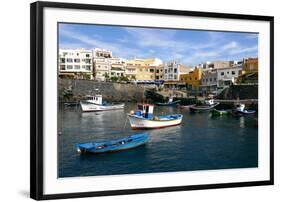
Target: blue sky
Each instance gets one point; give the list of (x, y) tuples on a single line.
[(190, 47)]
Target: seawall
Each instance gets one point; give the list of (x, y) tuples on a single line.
[(71, 90)]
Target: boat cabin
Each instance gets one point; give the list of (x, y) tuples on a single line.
[(96, 99), (170, 100), (209, 101), (145, 110), (240, 107)]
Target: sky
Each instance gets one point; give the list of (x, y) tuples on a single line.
[(189, 47)]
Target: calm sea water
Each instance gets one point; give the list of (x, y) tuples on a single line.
[(199, 143)]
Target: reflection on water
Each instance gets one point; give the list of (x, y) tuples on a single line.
[(201, 142)]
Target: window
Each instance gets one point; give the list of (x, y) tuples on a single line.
[(175, 70), (233, 72), (166, 71), (211, 79), (215, 79), (76, 66), (222, 73), (62, 67), (157, 71), (69, 60), (62, 60), (69, 67), (175, 77), (76, 60), (87, 55), (227, 72), (151, 70), (195, 78)]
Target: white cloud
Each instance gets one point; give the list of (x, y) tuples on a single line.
[(84, 40), (229, 46), (244, 50), (144, 42)]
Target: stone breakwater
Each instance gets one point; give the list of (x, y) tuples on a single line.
[(75, 90)]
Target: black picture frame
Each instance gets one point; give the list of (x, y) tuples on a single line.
[(36, 99)]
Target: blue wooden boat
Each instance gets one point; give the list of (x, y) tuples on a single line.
[(246, 112), (113, 145)]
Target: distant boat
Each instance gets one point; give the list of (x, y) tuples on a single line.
[(71, 104), (240, 109), (186, 106), (144, 119), (96, 103), (209, 105), (169, 103), (113, 145), (216, 112)]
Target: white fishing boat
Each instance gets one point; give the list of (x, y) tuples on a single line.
[(143, 118), (96, 103), (240, 109)]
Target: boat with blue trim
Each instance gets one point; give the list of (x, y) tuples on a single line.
[(115, 145), (240, 109), (143, 118)]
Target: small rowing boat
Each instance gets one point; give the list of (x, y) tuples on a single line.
[(144, 118), (113, 145)]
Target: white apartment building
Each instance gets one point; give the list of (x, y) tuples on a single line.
[(75, 63), (217, 79), (215, 65), (102, 64), (173, 70), (117, 67)]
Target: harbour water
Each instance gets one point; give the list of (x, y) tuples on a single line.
[(201, 142)]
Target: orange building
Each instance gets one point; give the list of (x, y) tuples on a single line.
[(192, 79), (251, 65)]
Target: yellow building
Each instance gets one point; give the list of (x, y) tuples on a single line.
[(251, 65), (159, 72), (145, 73), (145, 68), (192, 79)]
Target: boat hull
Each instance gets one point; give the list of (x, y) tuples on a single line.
[(246, 112), (142, 123), (199, 109), (113, 145), (186, 106), (90, 107), (168, 103)]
